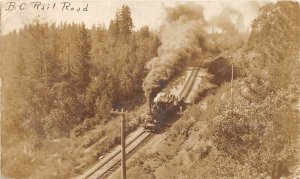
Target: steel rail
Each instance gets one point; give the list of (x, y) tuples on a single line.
[(142, 136), (128, 154), (185, 85), (190, 81), (185, 90), (191, 84)]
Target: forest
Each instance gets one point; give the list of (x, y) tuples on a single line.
[(57, 76), (60, 82)]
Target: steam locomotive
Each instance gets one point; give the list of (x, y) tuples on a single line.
[(160, 109), (177, 94), (166, 103)]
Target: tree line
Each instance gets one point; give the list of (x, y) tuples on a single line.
[(59, 75)]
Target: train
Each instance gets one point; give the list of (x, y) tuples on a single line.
[(181, 92), (170, 101)]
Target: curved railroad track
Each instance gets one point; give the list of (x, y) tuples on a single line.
[(189, 83), (110, 163)]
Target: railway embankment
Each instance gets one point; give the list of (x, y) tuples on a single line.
[(254, 133)]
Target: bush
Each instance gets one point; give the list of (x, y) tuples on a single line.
[(255, 133)]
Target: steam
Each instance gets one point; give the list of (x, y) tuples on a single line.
[(182, 38), (232, 16), (228, 20), (231, 23)]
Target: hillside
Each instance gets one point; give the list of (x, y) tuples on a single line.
[(60, 82), (252, 137)]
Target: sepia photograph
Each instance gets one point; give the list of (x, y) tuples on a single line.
[(149, 89)]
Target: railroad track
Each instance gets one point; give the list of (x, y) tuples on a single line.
[(189, 83), (110, 163)]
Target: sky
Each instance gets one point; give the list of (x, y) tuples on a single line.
[(150, 13)]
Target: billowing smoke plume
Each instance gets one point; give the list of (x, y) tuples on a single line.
[(232, 16), (228, 20), (182, 38)]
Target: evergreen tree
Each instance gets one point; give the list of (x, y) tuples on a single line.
[(126, 24), (20, 65), (82, 58), (114, 26)]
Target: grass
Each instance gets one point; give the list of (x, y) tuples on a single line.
[(66, 157)]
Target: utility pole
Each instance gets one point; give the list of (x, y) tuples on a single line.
[(69, 65), (123, 159), (1, 109), (0, 18), (1, 96), (231, 83)]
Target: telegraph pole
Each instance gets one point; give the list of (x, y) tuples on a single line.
[(1, 109), (69, 65), (123, 159), (0, 18), (1, 96), (231, 90)]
